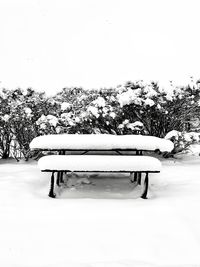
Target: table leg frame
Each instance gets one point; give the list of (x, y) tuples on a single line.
[(146, 185), (51, 191), (137, 178)]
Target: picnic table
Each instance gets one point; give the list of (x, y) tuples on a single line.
[(84, 143)]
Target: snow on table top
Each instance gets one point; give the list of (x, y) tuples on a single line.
[(101, 142), (99, 163)]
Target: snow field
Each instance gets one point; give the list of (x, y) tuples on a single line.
[(108, 227)]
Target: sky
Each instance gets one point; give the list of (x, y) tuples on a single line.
[(48, 45)]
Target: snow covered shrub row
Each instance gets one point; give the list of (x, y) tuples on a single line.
[(132, 108)]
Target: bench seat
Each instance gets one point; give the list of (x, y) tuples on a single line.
[(99, 163)]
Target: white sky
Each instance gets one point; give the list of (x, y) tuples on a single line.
[(48, 44)]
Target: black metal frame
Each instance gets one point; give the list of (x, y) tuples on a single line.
[(137, 178), (138, 152)]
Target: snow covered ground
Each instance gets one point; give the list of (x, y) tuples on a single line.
[(102, 224)]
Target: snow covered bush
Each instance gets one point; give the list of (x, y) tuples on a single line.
[(131, 128), (5, 130), (160, 110), (72, 115), (26, 109), (104, 115), (140, 102), (47, 124), (19, 111), (182, 141), (101, 115)]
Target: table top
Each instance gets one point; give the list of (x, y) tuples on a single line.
[(100, 142)]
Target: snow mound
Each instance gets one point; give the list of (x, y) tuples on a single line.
[(99, 163), (101, 142)]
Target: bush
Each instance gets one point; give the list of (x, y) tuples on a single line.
[(182, 141)]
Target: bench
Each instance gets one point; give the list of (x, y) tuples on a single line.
[(99, 163)]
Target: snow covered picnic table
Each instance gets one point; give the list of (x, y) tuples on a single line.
[(100, 142), (136, 165)]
